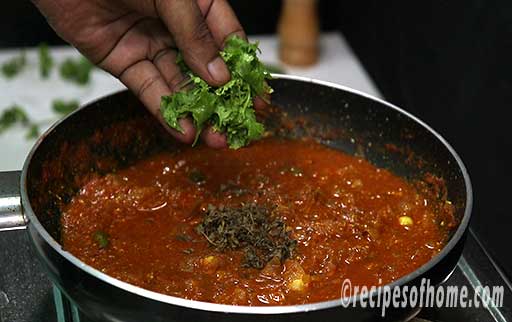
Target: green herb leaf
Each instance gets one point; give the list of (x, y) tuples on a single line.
[(45, 60), (76, 70), (11, 116), (14, 66), (33, 132), (101, 238), (228, 108), (63, 107)]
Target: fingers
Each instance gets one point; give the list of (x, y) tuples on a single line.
[(165, 62), (189, 131), (185, 21), (221, 20), (143, 61), (145, 80), (259, 103), (199, 29), (144, 40), (223, 23), (214, 139)]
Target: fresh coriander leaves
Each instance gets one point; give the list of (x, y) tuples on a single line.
[(14, 66), (12, 116), (16, 115), (32, 132), (45, 60), (228, 108), (63, 107), (76, 70)]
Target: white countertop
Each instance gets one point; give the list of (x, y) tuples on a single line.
[(337, 64)]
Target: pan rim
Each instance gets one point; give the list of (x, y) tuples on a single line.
[(224, 308)]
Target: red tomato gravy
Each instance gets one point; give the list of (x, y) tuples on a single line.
[(350, 219)]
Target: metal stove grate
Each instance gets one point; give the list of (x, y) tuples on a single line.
[(65, 309)]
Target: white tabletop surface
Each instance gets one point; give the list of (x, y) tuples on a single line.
[(337, 64)]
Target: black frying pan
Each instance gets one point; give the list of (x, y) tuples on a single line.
[(115, 131)]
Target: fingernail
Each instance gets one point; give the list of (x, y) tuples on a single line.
[(214, 139), (218, 70)]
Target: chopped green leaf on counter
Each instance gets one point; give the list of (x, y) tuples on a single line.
[(45, 60), (63, 107), (16, 115), (228, 108), (33, 132), (14, 66), (12, 116), (76, 70)]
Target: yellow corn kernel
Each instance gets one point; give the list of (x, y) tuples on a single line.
[(297, 285), (405, 221), (208, 259)]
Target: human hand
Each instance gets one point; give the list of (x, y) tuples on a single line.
[(137, 41)]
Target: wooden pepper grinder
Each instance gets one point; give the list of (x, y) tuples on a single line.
[(298, 30)]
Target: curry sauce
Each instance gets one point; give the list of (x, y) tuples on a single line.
[(349, 219)]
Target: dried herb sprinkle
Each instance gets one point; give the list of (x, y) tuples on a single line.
[(254, 229)]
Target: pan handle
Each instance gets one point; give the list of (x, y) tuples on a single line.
[(11, 212)]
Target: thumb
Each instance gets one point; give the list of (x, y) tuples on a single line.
[(190, 31)]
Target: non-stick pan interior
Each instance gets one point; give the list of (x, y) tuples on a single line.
[(116, 131)]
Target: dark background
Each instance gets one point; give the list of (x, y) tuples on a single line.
[(448, 62)]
